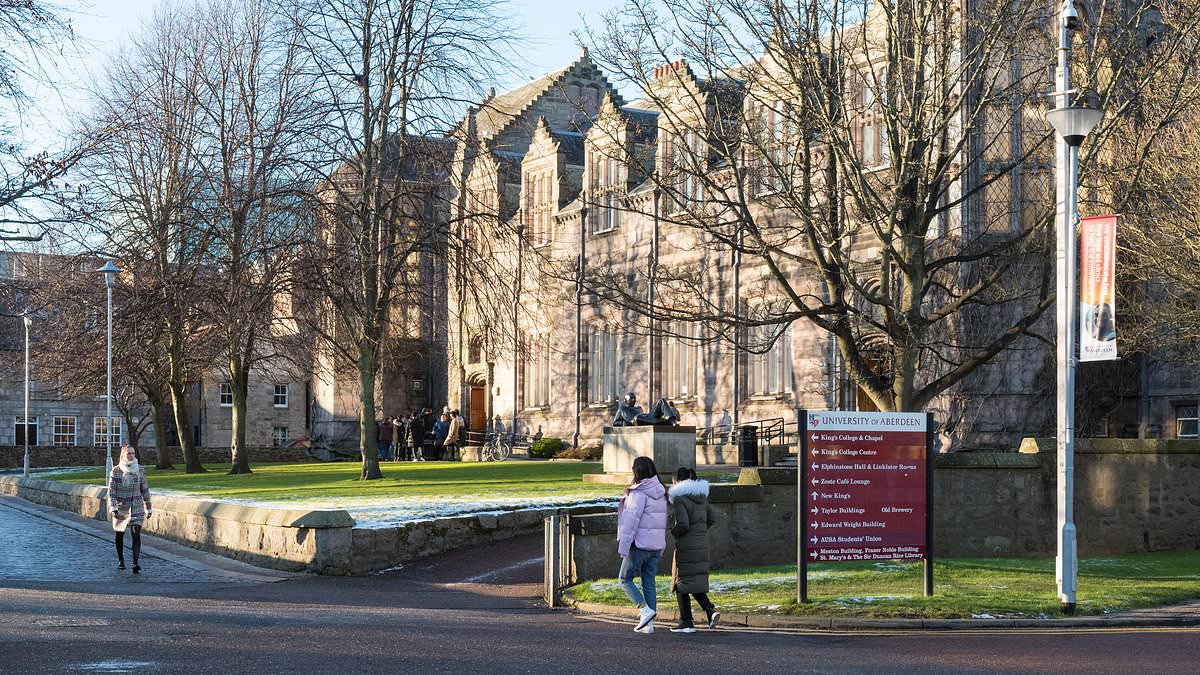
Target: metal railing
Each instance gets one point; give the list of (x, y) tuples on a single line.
[(771, 431)]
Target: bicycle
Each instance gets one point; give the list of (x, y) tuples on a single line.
[(497, 448)]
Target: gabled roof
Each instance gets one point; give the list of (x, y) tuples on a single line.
[(495, 114)]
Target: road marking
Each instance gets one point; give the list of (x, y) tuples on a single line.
[(495, 573)]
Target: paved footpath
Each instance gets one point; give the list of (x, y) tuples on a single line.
[(470, 611)]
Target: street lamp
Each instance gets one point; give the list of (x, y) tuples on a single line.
[(28, 322), (1072, 124), (110, 273)]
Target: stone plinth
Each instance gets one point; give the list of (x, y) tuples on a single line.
[(669, 447)]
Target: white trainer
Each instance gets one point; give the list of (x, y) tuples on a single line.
[(648, 628), (645, 616)]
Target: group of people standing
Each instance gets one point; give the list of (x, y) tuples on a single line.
[(417, 438), (642, 523)]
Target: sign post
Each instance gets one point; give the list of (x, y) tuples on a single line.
[(865, 489)]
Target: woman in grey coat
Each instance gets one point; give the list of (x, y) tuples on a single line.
[(689, 572), (129, 504)]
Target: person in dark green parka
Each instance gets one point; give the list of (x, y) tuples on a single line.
[(689, 571)]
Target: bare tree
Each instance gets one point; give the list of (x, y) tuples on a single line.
[(881, 169), (393, 74), (148, 176), (256, 119), (34, 193)]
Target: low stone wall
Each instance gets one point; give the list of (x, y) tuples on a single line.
[(292, 540), (322, 542), (49, 455), (385, 548), (1130, 496)]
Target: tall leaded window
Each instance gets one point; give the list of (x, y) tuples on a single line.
[(609, 192), (100, 432), (226, 395), (537, 373), (680, 354), (539, 207), (64, 431), (279, 436), (687, 164), (775, 140), (769, 373), (603, 357), (281, 396)]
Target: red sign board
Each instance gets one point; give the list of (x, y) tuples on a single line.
[(865, 486)]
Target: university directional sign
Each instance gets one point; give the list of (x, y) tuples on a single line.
[(864, 489)]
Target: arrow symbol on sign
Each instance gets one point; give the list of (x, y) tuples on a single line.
[(816, 526), (814, 496), (814, 540), (814, 437), (814, 481), (814, 466), (813, 555), (814, 509)]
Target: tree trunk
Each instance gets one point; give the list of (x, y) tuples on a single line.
[(178, 387), (367, 431), (160, 432), (239, 384)]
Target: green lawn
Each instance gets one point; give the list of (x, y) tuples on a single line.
[(963, 587), (272, 482)]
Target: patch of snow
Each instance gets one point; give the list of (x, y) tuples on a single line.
[(746, 585), (982, 616), (869, 599)]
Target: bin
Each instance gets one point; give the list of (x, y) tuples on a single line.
[(748, 446)]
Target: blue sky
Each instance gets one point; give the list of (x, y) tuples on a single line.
[(105, 24)]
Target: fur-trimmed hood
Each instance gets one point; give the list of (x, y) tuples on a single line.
[(688, 488)]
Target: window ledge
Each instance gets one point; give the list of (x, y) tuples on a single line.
[(536, 408), (770, 397), (284, 406), (603, 405)]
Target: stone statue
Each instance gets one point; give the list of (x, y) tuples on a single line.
[(629, 414)]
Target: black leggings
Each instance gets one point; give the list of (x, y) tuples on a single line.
[(685, 606), (137, 544)]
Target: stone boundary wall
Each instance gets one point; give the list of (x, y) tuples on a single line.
[(283, 539), (294, 540), (1130, 496), (13, 456), (385, 548)]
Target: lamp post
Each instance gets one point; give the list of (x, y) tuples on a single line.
[(110, 273), (1072, 124), (28, 322)]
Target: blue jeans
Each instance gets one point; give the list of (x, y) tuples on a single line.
[(384, 449), (644, 563)]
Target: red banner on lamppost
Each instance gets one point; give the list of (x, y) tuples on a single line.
[(1098, 288)]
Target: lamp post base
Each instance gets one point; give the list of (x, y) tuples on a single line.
[(1068, 608)]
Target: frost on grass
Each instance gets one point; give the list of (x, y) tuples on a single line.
[(381, 512), (867, 599)]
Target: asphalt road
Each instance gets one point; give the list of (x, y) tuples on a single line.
[(466, 612)]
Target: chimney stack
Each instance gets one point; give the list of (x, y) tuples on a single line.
[(676, 66)]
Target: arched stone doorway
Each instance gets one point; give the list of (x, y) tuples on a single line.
[(477, 414)]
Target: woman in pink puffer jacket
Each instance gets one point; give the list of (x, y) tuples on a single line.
[(642, 536)]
